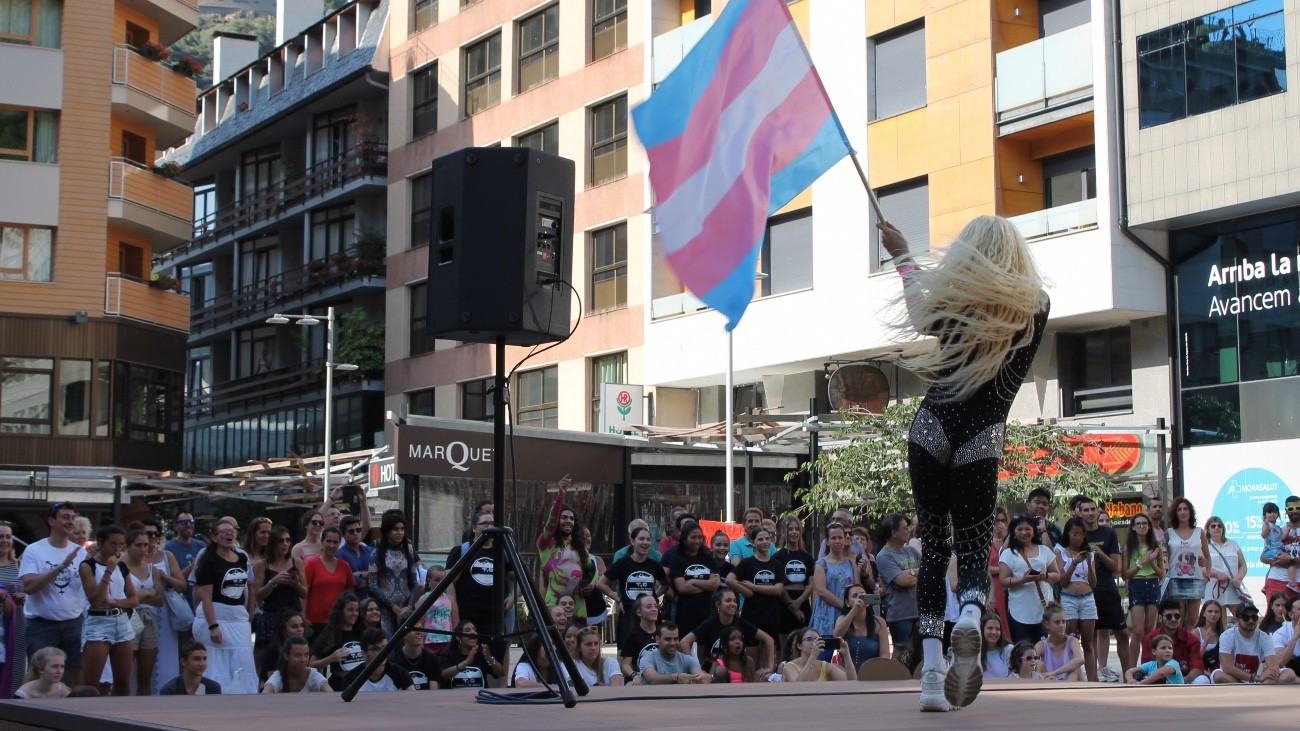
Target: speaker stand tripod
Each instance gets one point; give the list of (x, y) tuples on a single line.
[(503, 551)]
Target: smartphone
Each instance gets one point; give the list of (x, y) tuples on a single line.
[(831, 643)]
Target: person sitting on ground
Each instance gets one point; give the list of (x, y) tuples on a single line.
[(640, 637), (666, 665), (1162, 670), (997, 648), (1187, 645), (46, 675), (1286, 637), (1061, 653), (414, 656), (1210, 626), (1273, 620), (84, 691), (294, 673), (339, 644), (289, 623), (703, 641), (804, 665), (860, 628), (733, 664), (194, 662), (534, 669), (595, 668), (385, 677), (468, 663), (1024, 662), (1246, 654)]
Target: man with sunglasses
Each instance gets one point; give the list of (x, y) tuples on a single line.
[(358, 555), (1187, 646), (1277, 577), (1246, 653), (55, 602)]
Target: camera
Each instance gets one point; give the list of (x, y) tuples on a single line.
[(831, 643)]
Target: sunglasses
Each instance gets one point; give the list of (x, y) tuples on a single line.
[(1293, 509), (151, 533), (353, 530), (284, 539), (189, 521), (1172, 615), (1248, 618), (318, 522), (1029, 657)]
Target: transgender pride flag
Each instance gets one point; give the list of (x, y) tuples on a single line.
[(735, 132)]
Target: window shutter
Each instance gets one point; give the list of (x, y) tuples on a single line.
[(899, 72), (792, 254), (1056, 16), (907, 206)]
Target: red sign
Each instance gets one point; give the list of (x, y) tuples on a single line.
[(1114, 454), (733, 530)]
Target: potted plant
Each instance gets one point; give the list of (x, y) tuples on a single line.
[(163, 281), (242, 106), (188, 66), (169, 169), (155, 52)]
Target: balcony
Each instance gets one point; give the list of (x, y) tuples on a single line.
[(153, 94), (1048, 79), (175, 17), (1058, 220), (143, 201), (299, 383), (671, 47), (289, 290), (365, 164), (133, 300)]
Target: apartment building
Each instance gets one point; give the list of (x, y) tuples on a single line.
[(1212, 177), (92, 351), (289, 166), (958, 108), (559, 76)]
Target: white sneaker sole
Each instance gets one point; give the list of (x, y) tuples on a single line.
[(965, 676), (935, 704)]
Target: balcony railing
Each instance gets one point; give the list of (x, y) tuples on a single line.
[(1058, 219), (675, 304), (154, 79), (266, 296), (130, 181), (135, 300), (366, 160), (1036, 75), (270, 387)]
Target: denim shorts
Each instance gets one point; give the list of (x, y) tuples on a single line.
[(900, 632), (1185, 589), (65, 635), (1079, 606), (1144, 591), (113, 630)]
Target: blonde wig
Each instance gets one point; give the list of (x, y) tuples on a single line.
[(979, 301)]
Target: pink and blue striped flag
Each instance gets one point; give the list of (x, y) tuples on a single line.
[(735, 132)]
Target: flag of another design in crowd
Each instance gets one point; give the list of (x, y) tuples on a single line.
[(735, 132)]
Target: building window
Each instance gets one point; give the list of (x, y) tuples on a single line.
[(605, 369), (134, 148), (426, 14), (31, 22), (421, 209), (896, 71), (608, 27), (1070, 177), (609, 268), (421, 342), (256, 351), (26, 395), (476, 402), (1099, 372), (424, 101), (1058, 16), (538, 394), (1227, 57), (26, 253), (609, 141), (333, 231), (546, 139), (786, 258), (27, 135), (539, 48), (907, 206), (130, 261), (420, 403), (483, 75), (146, 404), (332, 134), (259, 170)]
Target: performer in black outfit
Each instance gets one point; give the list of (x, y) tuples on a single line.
[(985, 305)]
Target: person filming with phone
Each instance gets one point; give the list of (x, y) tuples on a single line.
[(802, 663)]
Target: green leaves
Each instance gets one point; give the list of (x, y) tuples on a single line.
[(866, 465)]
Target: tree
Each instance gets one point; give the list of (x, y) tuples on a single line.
[(869, 469), (198, 42)]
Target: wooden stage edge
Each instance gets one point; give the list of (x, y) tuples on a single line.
[(888, 704)]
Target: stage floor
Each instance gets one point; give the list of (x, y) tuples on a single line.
[(856, 705)]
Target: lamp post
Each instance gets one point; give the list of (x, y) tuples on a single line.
[(309, 320)]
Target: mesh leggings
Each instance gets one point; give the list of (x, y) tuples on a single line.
[(954, 504)]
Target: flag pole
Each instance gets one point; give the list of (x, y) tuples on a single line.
[(871, 194), (731, 477)]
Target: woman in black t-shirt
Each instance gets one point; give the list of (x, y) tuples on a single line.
[(466, 663), (222, 592), (636, 576), (640, 637), (795, 571), (705, 639), (695, 577), (758, 579), (339, 644)]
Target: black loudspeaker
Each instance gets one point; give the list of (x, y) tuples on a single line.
[(499, 254)]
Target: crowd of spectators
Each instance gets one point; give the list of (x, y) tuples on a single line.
[(130, 612)]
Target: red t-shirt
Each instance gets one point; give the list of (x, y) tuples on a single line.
[(324, 587)]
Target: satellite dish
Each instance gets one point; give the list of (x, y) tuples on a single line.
[(860, 386)]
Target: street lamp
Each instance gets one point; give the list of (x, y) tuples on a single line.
[(330, 366)]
